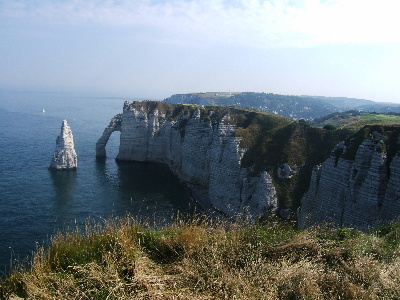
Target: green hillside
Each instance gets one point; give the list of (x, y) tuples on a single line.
[(295, 107), (355, 120)]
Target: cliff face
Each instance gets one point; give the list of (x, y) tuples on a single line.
[(203, 152), (359, 184), (64, 155), (243, 160)]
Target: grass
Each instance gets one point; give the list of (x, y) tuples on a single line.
[(205, 259), (354, 120)]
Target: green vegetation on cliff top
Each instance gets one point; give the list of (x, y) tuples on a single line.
[(204, 259), (363, 125), (355, 120)]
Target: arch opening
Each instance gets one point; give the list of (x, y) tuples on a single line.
[(112, 145), (115, 125)]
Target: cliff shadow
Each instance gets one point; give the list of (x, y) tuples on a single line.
[(156, 182)]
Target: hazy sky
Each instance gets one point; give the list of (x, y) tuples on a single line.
[(156, 48)]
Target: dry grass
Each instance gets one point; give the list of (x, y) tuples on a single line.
[(203, 259)]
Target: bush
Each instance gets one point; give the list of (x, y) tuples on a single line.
[(329, 127)]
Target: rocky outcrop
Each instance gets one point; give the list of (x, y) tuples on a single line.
[(202, 151), (361, 192), (64, 155), (285, 171), (115, 125)]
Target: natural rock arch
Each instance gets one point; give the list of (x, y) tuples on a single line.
[(115, 125)]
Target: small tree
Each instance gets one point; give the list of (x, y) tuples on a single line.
[(329, 127)]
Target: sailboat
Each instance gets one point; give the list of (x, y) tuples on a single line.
[(43, 110)]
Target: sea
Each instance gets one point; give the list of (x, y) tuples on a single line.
[(37, 203)]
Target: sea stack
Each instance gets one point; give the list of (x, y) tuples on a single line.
[(64, 155)]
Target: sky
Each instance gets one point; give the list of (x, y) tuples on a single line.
[(155, 48)]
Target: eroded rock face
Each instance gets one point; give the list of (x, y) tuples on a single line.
[(204, 153), (361, 193), (64, 155)]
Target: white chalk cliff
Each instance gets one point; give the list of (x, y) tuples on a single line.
[(64, 155), (361, 192), (203, 153)]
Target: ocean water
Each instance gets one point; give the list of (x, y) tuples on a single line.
[(36, 203)]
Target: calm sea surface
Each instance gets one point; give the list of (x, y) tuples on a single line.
[(35, 203)]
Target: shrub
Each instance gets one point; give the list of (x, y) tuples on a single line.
[(329, 127)]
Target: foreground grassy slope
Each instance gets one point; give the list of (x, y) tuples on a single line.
[(201, 259)]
